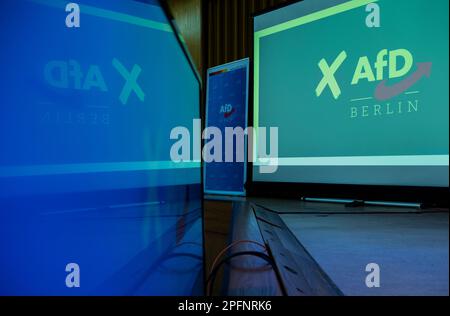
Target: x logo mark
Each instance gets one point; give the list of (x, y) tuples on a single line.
[(130, 81), (328, 75)]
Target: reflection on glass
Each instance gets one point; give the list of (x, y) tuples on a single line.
[(85, 170)]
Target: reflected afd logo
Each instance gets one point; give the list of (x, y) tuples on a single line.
[(398, 62), (69, 75)]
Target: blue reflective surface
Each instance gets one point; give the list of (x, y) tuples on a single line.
[(85, 170)]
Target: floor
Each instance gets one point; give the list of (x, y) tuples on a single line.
[(410, 249)]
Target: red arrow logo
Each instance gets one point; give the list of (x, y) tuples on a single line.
[(228, 114), (384, 92)]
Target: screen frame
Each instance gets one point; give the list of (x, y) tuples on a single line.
[(181, 42), (165, 6), (427, 196)]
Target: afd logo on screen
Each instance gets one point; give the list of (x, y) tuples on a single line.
[(71, 75), (386, 66), (364, 71)]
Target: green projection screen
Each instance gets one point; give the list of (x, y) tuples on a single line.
[(355, 104)]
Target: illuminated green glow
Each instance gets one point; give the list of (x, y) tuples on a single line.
[(314, 17), (411, 160), (256, 98), (64, 169), (282, 27), (110, 15)]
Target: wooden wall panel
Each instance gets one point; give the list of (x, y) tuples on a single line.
[(229, 28), (218, 31), (189, 15)]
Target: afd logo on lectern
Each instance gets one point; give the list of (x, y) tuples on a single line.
[(227, 111), (386, 65), (72, 75)]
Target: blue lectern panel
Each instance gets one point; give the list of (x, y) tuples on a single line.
[(227, 101)]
